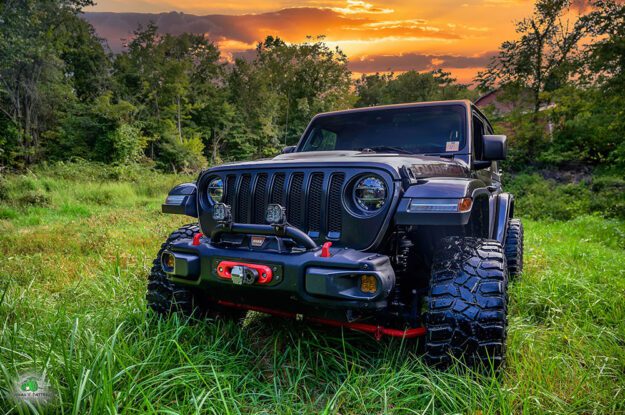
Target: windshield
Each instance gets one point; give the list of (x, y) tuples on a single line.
[(418, 130)]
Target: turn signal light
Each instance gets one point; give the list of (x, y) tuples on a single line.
[(368, 284), (440, 205), (464, 205)]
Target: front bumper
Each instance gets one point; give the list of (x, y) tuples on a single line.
[(302, 281)]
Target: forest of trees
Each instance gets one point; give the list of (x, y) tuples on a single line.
[(172, 102)]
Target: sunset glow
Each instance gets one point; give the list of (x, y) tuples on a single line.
[(459, 36)]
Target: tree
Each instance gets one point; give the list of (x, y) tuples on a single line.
[(310, 77), (372, 90), (173, 81), (410, 86), (606, 55), (50, 59), (542, 58), (34, 87), (257, 109)]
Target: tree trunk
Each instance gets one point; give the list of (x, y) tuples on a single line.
[(179, 119)]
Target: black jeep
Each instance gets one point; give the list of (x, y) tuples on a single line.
[(389, 220)]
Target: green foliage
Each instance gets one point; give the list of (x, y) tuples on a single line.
[(539, 198), (410, 86), (125, 144), (34, 90), (175, 155), (541, 59)]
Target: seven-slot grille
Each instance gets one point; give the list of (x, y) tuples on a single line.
[(312, 199)]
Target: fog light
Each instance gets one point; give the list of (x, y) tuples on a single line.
[(275, 215), (168, 261), (222, 212), (368, 284)]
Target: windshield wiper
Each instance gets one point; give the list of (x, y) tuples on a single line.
[(386, 149)]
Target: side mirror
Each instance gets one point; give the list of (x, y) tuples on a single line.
[(494, 147), (289, 149)]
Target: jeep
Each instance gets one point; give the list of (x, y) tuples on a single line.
[(389, 220)]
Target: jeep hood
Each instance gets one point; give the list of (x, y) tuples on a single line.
[(417, 166)]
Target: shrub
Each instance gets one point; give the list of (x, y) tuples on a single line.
[(539, 198), (185, 156), (33, 198)]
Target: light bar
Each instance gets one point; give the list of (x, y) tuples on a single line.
[(440, 205)]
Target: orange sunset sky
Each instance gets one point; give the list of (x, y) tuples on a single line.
[(378, 36)]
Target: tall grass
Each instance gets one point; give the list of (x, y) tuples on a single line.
[(72, 283)]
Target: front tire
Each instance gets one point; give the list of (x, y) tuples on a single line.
[(514, 247), (467, 307)]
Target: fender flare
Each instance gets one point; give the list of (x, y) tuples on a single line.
[(505, 210), (181, 200), (439, 188)]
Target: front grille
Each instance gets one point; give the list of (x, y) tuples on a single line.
[(295, 207), (334, 206), (259, 198), (312, 199), (242, 213), (314, 203)]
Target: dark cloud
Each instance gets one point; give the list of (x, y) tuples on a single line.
[(291, 24), (418, 62)]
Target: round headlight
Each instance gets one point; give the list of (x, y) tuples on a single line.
[(370, 193), (216, 190)]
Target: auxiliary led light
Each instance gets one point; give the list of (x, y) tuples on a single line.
[(222, 213), (276, 214)]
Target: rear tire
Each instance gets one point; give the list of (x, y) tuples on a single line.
[(514, 248), (467, 307), (165, 297)]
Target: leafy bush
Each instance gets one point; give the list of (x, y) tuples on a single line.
[(185, 156), (124, 145), (33, 198), (539, 198)]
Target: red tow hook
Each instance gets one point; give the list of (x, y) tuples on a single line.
[(325, 250), (196, 239)]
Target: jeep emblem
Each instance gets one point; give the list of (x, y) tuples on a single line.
[(258, 241)]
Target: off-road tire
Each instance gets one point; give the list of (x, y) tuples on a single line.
[(514, 248), (166, 297), (467, 304)]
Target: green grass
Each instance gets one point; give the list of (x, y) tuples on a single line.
[(76, 248)]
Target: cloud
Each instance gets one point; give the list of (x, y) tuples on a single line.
[(361, 7), (417, 61), (290, 24)]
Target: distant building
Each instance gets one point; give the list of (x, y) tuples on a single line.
[(501, 102)]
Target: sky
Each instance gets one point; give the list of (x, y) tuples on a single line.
[(459, 36)]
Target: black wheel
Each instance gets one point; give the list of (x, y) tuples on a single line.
[(166, 297), (514, 247), (467, 307)]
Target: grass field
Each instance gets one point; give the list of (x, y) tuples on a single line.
[(76, 245)]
